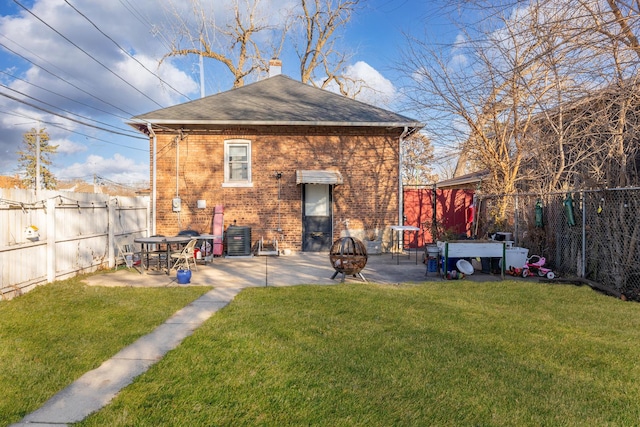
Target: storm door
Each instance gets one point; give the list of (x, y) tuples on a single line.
[(316, 217)]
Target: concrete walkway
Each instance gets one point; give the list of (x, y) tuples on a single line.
[(97, 388), (228, 276)]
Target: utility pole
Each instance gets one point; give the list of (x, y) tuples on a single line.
[(201, 77), (38, 183)]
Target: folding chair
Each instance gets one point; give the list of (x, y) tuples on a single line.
[(185, 256), (127, 254)]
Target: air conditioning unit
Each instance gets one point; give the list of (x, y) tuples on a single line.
[(238, 241)]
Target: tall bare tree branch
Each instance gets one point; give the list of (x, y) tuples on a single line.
[(232, 44)]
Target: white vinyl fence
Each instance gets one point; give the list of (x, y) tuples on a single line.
[(62, 234)]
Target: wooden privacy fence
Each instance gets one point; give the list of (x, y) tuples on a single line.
[(62, 234), (440, 214)]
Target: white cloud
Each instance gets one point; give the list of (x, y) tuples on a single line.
[(459, 59), (110, 88), (164, 91), (66, 146), (117, 168), (368, 85)]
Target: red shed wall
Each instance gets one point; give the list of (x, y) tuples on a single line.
[(452, 209)]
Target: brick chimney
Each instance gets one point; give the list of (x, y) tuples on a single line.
[(275, 67)]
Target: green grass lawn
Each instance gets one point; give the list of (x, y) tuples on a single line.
[(55, 333), (438, 354)]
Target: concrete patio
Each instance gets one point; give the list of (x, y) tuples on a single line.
[(295, 269)]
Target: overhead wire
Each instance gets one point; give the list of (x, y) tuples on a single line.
[(134, 12), (144, 21), (62, 96), (58, 77), (96, 138), (59, 126), (125, 51), (131, 185), (62, 109), (88, 54), (69, 118)]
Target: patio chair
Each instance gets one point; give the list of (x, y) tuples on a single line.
[(158, 255), (184, 258), (127, 254)]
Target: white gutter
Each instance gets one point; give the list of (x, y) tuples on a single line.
[(153, 179), (173, 122)]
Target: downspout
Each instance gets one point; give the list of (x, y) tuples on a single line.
[(153, 179), (400, 186), (177, 166), (178, 177)]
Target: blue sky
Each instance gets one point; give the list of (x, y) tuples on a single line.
[(59, 61)]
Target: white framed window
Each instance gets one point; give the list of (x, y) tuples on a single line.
[(237, 163)]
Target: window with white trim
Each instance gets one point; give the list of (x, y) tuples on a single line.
[(237, 163)]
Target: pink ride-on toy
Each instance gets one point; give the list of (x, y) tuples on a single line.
[(535, 264)]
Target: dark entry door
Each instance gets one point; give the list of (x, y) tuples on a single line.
[(316, 217)]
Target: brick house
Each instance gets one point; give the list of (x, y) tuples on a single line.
[(290, 161)]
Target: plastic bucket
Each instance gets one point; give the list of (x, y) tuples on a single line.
[(183, 276), (515, 257)]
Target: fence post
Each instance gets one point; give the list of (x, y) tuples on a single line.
[(147, 234), (110, 233), (516, 223), (583, 259), (51, 240)]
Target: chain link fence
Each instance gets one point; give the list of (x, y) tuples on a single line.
[(590, 234)]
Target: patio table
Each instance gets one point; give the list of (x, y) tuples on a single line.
[(159, 240), (399, 230)]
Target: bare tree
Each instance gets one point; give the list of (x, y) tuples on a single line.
[(482, 99), (321, 22), (417, 155), (597, 57), (234, 42), (547, 85), (562, 83), (246, 35), (618, 25)]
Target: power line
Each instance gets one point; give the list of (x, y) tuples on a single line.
[(62, 109), (134, 12), (125, 52), (93, 137), (144, 21), (57, 125), (88, 54), (128, 185), (69, 118), (58, 77), (62, 96)]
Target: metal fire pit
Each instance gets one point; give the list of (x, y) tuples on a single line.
[(348, 255)]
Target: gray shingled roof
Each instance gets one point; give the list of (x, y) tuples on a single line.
[(464, 180), (277, 100)]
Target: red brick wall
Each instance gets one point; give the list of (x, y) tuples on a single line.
[(368, 162)]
